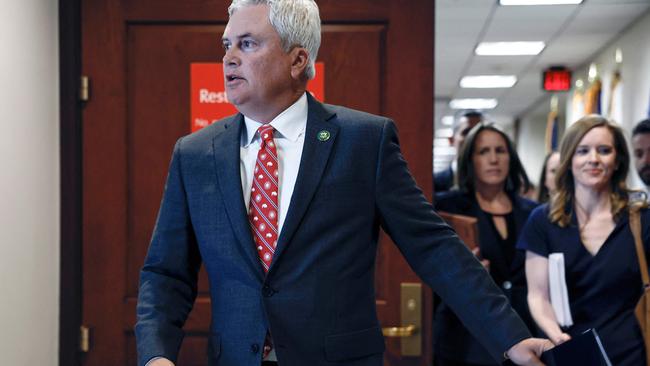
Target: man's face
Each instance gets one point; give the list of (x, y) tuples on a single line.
[(641, 148), (257, 71)]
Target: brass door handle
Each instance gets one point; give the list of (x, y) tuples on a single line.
[(396, 332)]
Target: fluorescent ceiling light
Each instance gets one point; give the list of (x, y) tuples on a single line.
[(473, 103), (440, 151), (444, 132), (447, 120), (488, 81), (441, 142), (539, 2), (509, 48)]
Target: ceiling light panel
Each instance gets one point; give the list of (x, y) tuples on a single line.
[(447, 120), (540, 2), (488, 81), (473, 103), (509, 48)]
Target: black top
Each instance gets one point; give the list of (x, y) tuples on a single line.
[(506, 245), (603, 288), (451, 339), (443, 180)]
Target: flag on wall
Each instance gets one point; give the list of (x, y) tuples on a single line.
[(577, 105), (592, 98), (551, 138), (615, 104), (552, 127)]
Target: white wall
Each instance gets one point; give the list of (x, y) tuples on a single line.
[(635, 69), (530, 145), (531, 136), (29, 182)]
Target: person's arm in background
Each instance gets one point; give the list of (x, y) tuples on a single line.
[(539, 301)]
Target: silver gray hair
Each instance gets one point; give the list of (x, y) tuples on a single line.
[(297, 23)]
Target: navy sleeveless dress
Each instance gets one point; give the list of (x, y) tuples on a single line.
[(603, 288)]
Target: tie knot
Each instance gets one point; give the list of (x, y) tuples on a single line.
[(266, 132)]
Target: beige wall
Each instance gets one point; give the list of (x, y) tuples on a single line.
[(29, 182)]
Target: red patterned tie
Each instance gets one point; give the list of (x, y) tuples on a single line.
[(263, 207)]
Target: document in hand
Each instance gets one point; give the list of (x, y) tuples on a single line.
[(583, 350), (558, 290), (465, 227)]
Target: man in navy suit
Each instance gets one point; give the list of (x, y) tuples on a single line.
[(282, 203)]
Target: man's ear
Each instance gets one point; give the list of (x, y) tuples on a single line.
[(299, 62)]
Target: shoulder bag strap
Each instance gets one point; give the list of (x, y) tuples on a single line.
[(643, 315), (635, 223)]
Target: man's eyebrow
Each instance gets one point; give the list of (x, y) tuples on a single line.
[(224, 38)]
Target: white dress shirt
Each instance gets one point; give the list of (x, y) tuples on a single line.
[(289, 140)]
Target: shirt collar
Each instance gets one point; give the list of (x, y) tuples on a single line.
[(290, 124)]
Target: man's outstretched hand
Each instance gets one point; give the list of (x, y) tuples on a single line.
[(528, 351)]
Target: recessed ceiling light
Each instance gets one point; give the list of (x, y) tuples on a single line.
[(473, 103), (509, 48), (444, 132), (447, 120), (539, 2), (440, 151), (441, 142), (488, 81)]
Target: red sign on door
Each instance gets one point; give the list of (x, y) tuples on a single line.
[(208, 99)]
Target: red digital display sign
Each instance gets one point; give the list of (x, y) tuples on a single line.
[(557, 79)]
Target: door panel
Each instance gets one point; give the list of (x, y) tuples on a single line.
[(138, 56)]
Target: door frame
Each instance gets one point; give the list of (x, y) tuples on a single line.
[(71, 174), (70, 136)]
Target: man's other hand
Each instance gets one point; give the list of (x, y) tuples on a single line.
[(160, 362), (528, 351)]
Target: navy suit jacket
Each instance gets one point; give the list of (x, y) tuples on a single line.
[(443, 180), (453, 341), (318, 298)]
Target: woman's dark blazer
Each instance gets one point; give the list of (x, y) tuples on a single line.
[(451, 339)]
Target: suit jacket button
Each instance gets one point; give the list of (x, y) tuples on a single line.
[(507, 285), (267, 291), (255, 348)]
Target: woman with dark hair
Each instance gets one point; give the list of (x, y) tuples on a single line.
[(547, 178), (490, 175), (587, 224)]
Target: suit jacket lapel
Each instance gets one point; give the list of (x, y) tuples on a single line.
[(226, 153), (315, 154)]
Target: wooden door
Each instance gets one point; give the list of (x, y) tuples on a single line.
[(378, 57)]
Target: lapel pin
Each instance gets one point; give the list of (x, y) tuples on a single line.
[(323, 135)]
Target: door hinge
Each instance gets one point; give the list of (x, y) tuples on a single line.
[(84, 338), (84, 88)]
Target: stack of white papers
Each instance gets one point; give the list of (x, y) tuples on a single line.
[(558, 290)]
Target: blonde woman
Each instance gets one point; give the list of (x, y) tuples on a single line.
[(588, 223)]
